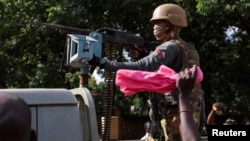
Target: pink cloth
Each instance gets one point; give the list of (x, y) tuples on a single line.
[(164, 80)]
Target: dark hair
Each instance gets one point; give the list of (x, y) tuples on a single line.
[(15, 118)]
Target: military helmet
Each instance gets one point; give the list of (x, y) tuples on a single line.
[(173, 13)]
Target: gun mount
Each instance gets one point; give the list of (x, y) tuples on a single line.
[(80, 48)]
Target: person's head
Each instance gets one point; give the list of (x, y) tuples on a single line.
[(168, 19), (230, 121), (147, 126), (15, 118), (246, 121)]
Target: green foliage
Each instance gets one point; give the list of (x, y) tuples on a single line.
[(224, 59), (97, 91), (72, 79)]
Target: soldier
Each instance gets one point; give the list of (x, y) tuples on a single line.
[(168, 20)]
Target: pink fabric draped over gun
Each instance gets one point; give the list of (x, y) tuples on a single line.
[(164, 80)]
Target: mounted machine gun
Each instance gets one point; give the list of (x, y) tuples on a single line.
[(82, 44)]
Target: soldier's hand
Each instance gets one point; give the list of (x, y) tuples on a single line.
[(96, 61), (138, 52)]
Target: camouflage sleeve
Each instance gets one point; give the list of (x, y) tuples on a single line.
[(164, 54)]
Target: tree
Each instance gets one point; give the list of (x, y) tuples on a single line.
[(225, 59)]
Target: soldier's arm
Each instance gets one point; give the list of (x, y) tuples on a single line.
[(188, 128), (167, 54)]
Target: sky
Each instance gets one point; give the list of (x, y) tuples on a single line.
[(97, 77)]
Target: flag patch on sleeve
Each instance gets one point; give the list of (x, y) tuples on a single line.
[(158, 54)]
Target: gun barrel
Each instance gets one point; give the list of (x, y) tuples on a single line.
[(109, 35), (62, 27)]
